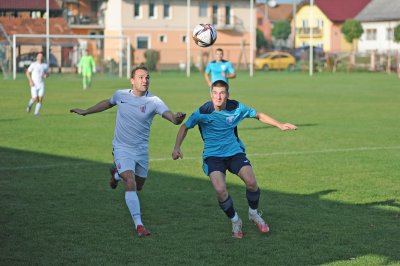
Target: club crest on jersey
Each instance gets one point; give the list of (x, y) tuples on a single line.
[(229, 120), (143, 108)]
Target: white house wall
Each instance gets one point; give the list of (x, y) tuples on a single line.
[(381, 44)]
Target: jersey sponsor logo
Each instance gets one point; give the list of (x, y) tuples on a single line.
[(123, 102), (229, 120), (143, 108)]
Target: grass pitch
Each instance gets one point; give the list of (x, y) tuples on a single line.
[(330, 190)]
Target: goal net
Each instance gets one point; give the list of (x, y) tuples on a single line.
[(112, 55)]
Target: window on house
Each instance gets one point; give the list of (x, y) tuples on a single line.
[(142, 42), (167, 9), (228, 14), (389, 34), (136, 9), (371, 34), (203, 8), (152, 8), (304, 23), (320, 23), (215, 14), (183, 39), (259, 21), (163, 38)]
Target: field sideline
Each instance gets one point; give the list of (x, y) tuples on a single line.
[(330, 190)]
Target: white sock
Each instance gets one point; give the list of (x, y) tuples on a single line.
[(235, 218), (132, 201), (252, 211), (37, 108), (117, 177), (31, 101)]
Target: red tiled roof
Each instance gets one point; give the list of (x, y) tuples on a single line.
[(340, 10), (28, 4), (58, 26)]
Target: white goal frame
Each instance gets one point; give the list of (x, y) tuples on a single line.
[(123, 39)]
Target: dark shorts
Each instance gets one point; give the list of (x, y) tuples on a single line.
[(232, 163)]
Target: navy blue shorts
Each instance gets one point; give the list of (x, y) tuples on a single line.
[(232, 163)]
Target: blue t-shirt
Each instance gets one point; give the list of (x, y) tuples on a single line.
[(217, 68), (219, 128)]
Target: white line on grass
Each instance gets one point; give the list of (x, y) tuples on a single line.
[(199, 158), (297, 152)]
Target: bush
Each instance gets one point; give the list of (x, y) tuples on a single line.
[(152, 57)]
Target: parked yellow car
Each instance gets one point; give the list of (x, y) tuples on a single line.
[(275, 60)]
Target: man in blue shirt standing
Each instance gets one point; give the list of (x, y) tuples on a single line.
[(218, 120), (220, 69)]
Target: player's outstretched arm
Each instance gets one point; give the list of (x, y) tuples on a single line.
[(176, 119), (271, 121), (100, 107), (177, 152)]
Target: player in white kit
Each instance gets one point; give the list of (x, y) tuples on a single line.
[(36, 73), (136, 110)]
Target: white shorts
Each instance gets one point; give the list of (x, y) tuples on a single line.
[(125, 160), (37, 91)]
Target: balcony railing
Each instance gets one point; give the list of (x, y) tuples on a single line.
[(305, 32), (85, 19)]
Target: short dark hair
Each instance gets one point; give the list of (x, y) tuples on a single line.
[(220, 49), (142, 67), (220, 83)]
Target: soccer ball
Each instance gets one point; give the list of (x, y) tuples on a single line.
[(204, 35)]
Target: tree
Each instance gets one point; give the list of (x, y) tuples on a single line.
[(261, 42), (352, 31), (152, 57), (281, 30), (397, 33), (397, 39)]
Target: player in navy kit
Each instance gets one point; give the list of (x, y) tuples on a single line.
[(218, 120)]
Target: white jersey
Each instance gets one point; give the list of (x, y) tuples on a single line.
[(134, 117), (38, 70)]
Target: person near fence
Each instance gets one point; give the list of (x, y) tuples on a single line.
[(87, 67), (36, 73), (219, 69)]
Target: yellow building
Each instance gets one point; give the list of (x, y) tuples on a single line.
[(328, 18)]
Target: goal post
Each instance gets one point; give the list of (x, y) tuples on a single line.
[(112, 53)]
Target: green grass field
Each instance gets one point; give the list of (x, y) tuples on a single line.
[(330, 190)]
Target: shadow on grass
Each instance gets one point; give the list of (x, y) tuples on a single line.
[(59, 210)]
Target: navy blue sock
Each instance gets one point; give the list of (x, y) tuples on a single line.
[(253, 197), (227, 207)]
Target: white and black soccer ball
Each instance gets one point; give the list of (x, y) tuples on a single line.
[(204, 35)]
